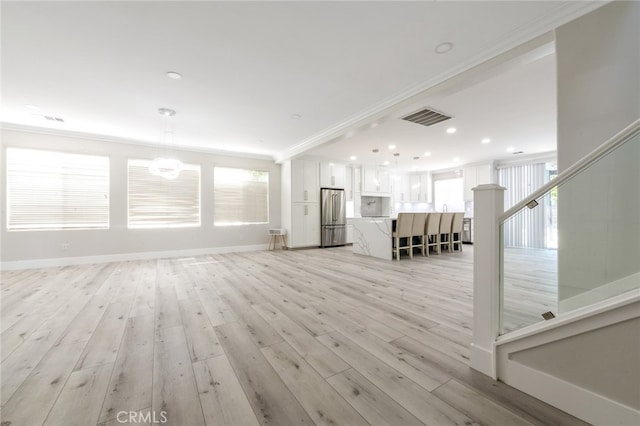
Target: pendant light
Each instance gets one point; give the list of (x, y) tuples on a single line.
[(166, 167)]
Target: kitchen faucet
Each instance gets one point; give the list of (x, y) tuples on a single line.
[(444, 207)]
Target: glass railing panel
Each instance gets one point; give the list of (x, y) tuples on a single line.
[(529, 265), (579, 245)]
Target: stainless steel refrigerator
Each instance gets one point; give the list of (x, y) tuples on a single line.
[(333, 217)]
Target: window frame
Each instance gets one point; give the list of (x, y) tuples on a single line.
[(102, 227)]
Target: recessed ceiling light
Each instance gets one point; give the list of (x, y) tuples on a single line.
[(386, 163), (511, 149), (427, 154), (166, 111), (174, 75), (456, 159), (451, 130), (486, 140), (353, 158), (295, 116), (392, 146), (32, 107), (443, 47)]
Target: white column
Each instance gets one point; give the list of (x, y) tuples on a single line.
[(488, 205)]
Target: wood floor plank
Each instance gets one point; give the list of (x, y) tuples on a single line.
[(325, 362), (105, 340), (401, 328), (130, 386), (323, 404), (31, 403), (202, 341), (403, 362), (531, 409), (17, 367), (475, 405), (217, 310), (221, 396), (373, 404), (414, 398), (81, 398), (167, 310), (174, 386), (144, 299), (261, 332), (272, 401), (80, 328)]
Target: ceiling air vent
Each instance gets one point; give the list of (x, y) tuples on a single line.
[(426, 117)]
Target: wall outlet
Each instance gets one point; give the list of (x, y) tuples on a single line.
[(65, 246)]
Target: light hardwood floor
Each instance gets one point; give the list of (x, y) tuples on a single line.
[(279, 338)]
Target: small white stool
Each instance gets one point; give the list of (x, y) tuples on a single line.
[(277, 235)]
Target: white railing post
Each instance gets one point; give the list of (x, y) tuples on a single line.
[(488, 205)]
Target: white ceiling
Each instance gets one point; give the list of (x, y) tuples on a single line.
[(248, 66)]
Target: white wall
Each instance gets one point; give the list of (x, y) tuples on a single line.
[(569, 358), (19, 246), (598, 65), (598, 59)]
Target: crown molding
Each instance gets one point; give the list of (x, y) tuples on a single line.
[(119, 140), (519, 41)]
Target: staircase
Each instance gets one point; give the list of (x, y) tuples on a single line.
[(583, 356)]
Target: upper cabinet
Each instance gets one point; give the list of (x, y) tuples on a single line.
[(332, 175), (476, 175), (421, 188), (401, 188), (376, 180), (304, 182)]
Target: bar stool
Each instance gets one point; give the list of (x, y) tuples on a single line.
[(445, 230), (277, 235), (417, 231), (403, 230), (456, 232), (432, 233)]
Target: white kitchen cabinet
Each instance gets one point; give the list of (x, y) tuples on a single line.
[(348, 183), (305, 187), (421, 188), (332, 175), (305, 225), (401, 188), (300, 203), (474, 176), (376, 180)]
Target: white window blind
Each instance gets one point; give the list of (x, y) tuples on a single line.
[(240, 196), (156, 202), (524, 230), (49, 190)]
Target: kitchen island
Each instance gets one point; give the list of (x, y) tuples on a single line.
[(373, 236)]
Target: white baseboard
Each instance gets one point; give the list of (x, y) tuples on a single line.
[(120, 257), (582, 403), (600, 293), (483, 360)]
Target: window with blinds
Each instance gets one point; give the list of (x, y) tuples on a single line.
[(48, 190), (156, 202), (240, 196)]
